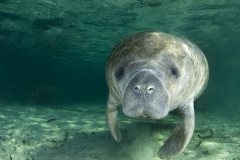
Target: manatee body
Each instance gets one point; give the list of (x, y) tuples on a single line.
[(150, 74)]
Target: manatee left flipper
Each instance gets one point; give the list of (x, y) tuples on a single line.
[(111, 118), (182, 133)]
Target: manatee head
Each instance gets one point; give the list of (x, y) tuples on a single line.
[(144, 85), (147, 74)]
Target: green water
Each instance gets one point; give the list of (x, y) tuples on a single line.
[(63, 45), (53, 52)]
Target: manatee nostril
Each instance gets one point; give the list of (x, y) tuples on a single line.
[(137, 89), (150, 89)]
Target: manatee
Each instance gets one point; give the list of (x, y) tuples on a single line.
[(150, 74)]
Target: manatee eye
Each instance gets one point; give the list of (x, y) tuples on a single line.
[(174, 72), (119, 73)]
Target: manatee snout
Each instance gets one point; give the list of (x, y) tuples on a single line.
[(145, 96)]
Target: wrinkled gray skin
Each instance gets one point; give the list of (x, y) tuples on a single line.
[(150, 74)]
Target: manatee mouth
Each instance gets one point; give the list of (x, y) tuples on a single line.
[(145, 96)]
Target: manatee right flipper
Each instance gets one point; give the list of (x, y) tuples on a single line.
[(111, 118), (182, 133)]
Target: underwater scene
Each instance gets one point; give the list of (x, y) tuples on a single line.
[(119, 79)]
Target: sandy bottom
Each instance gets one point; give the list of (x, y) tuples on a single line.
[(79, 133)]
